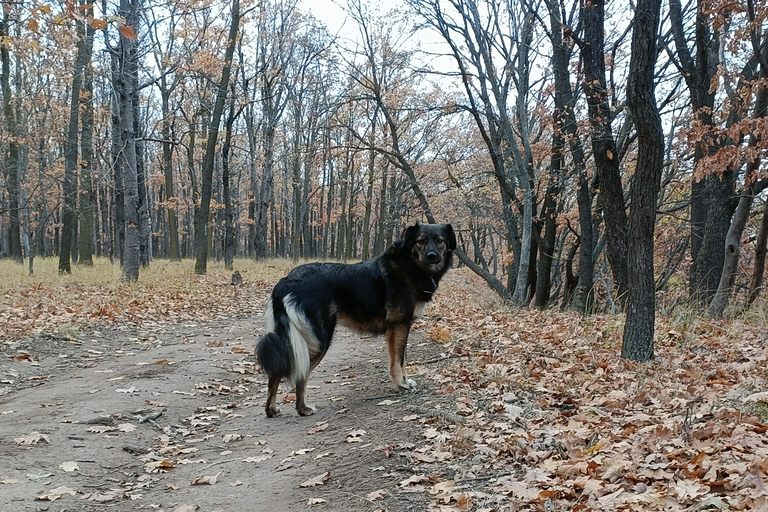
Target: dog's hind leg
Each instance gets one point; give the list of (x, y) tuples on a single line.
[(397, 339), (301, 388), (301, 407), (271, 407)]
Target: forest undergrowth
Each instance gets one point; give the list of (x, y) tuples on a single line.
[(540, 412)]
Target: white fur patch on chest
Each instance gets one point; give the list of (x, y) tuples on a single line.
[(418, 309)]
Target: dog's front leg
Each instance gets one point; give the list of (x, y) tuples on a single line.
[(397, 339)]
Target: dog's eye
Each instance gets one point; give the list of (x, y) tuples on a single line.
[(421, 241), (439, 241)]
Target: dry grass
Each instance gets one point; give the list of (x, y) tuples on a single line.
[(95, 296), (14, 276)]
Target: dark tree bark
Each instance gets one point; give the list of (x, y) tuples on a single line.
[(167, 148), (87, 195), (11, 163), (126, 95), (710, 196), (549, 220), (752, 186), (761, 247), (641, 314), (69, 210), (230, 229), (611, 195), (201, 218), (116, 146), (566, 123)]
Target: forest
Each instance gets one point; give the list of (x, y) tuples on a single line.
[(600, 343), (590, 155)]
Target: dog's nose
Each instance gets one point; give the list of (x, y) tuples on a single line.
[(432, 257)]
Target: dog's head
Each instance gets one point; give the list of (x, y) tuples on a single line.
[(431, 244)]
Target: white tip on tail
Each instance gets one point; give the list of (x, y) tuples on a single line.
[(303, 340), (269, 316)]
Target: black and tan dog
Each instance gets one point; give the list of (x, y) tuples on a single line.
[(382, 295)]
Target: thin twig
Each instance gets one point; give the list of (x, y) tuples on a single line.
[(381, 397), (480, 478), (219, 462), (436, 413), (435, 360)]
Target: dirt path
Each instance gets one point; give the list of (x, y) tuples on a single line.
[(85, 398)]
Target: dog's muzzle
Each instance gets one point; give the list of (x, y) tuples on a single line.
[(432, 257)]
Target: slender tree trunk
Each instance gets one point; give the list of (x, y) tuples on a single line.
[(761, 247), (720, 299), (565, 104), (641, 314), (611, 195), (170, 196), (369, 191), (87, 195), (126, 95), (296, 182), (549, 219), (201, 223), (11, 163), (383, 220), (69, 213), (230, 229)]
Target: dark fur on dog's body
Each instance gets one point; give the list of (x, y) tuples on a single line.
[(379, 296)]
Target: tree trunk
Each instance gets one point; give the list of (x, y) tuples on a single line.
[(549, 220), (369, 191), (524, 165), (733, 243), (708, 225), (170, 196), (611, 195), (201, 221), (564, 105), (69, 213), (641, 314), (761, 247), (124, 89), (11, 163), (296, 182), (230, 229), (87, 196)]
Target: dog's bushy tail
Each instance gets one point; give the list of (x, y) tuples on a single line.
[(275, 355)]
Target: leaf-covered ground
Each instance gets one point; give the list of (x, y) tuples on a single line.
[(518, 409)]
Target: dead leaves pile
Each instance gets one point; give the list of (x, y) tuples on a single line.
[(554, 419)]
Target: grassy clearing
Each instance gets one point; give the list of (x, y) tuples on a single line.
[(95, 296)]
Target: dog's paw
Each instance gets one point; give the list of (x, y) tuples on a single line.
[(307, 410), (272, 412), (408, 385)]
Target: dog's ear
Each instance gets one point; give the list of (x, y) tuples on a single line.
[(409, 235), (449, 234)]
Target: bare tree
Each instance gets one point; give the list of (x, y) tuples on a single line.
[(11, 163), (641, 313), (711, 208), (69, 213), (86, 199), (124, 88), (604, 152), (201, 217)]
